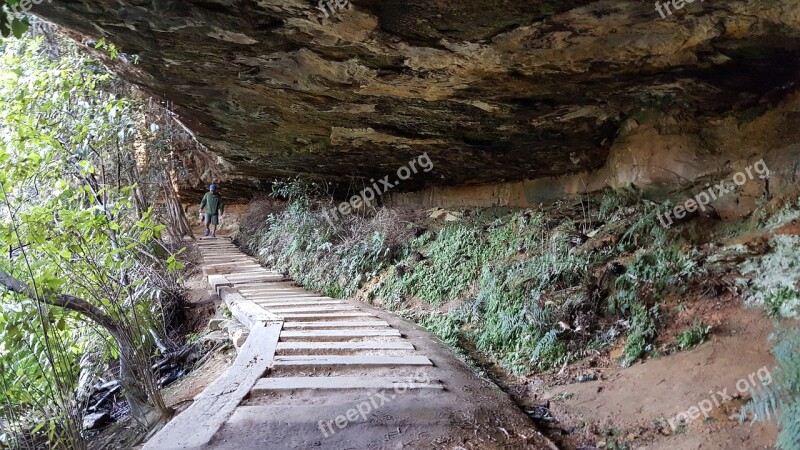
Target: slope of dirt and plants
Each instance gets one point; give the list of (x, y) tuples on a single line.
[(571, 293)]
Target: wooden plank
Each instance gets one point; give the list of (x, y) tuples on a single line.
[(331, 346), (245, 282), (336, 324), (337, 333), (311, 309), (262, 297), (229, 261), (277, 286), (255, 277), (218, 281), (266, 295), (324, 315), (290, 300), (299, 298), (281, 291), (348, 360), (267, 304), (270, 273), (216, 258), (246, 311), (226, 269), (252, 266), (328, 383), (194, 427)]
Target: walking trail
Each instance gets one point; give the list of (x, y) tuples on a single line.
[(323, 373)]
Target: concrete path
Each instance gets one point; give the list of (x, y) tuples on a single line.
[(323, 373)]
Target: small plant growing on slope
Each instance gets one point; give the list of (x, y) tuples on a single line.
[(694, 336)]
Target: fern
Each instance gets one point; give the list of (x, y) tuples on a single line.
[(641, 333), (547, 347), (778, 398)]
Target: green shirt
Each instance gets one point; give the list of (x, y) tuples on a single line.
[(212, 204)]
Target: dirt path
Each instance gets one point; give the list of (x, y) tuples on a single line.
[(318, 372)]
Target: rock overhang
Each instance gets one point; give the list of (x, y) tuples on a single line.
[(492, 92)]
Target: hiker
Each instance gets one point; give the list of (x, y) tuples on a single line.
[(212, 202)]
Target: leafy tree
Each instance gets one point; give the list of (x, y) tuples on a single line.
[(83, 243)]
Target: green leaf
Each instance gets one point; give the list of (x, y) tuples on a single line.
[(20, 26)]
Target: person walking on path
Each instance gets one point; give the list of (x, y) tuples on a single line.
[(213, 206)]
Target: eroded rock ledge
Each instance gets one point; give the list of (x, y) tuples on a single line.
[(493, 91)]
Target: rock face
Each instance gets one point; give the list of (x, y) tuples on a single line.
[(493, 91)]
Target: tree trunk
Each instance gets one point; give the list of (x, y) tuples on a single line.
[(146, 408), (146, 403), (175, 212)]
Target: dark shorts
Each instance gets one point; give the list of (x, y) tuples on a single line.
[(212, 219)]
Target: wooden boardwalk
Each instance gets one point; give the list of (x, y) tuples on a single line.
[(311, 362)]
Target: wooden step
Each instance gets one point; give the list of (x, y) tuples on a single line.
[(277, 296), (295, 303), (324, 315), (336, 324), (281, 298), (334, 346), (312, 309), (257, 277), (338, 333), (292, 383), (286, 292), (279, 286), (360, 360)]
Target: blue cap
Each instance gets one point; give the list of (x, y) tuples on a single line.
[(213, 187)]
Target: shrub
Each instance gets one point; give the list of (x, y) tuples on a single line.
[(337, 258)]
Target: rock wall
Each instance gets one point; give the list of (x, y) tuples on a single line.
[(660, 153)]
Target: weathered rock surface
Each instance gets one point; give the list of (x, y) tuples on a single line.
[(493, 91)]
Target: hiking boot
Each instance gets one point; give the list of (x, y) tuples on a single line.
[(206, 233), (213, 234)]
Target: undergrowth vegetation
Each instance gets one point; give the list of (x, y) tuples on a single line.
[(334, 260), (535, 289), (531, 289)]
